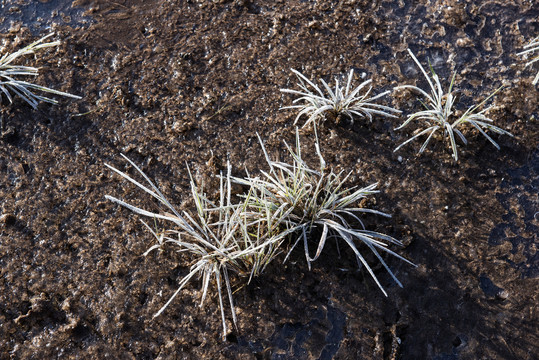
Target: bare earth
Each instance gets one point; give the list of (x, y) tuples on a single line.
[(170, 83)]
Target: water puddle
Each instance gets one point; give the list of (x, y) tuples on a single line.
[(319, 339), (520, 199), (39, 15)]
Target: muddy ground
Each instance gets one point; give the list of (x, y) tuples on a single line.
[(176, 83)]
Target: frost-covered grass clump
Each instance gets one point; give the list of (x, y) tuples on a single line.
[(11, 82), (440, 114), (218, 236), (532, 48), (317, 201), (317, 105), (241, 234)]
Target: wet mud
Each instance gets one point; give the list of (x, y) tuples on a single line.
[(176, 83)]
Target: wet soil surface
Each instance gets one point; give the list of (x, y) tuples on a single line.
[(176, 83)]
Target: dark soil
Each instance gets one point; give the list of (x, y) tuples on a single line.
[(176, 83)]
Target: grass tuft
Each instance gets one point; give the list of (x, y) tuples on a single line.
[(9, 84), (531, 48), (440, 113), (316, 104), (218, 237), (310, 199)]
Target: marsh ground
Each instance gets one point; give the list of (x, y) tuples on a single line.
[(170, 83)]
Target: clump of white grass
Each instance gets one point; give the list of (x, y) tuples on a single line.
[(439, 113), (316, 104), (9, 73), (532, 48), (219, 238), (318, 199)]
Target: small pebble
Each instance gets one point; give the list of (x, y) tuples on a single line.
[(502, 295)]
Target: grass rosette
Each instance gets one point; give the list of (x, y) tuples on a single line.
[(316, 104), (440, 110), (532, 48), (9, 73), (309, 199), (219, 238)]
